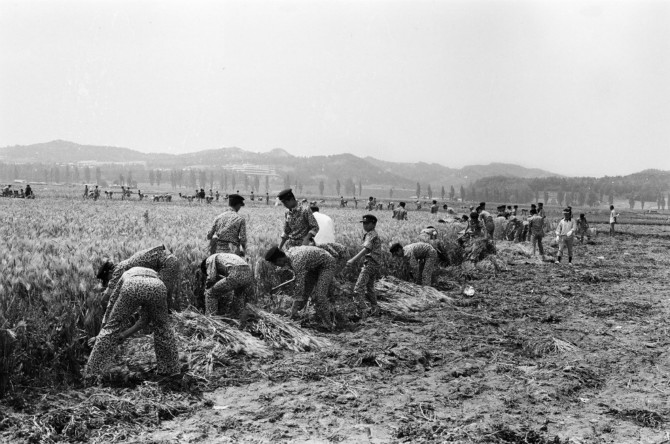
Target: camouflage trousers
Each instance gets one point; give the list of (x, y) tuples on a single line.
[(365, 285), (149, 296), (228, 295), (317, 286), (426, 269)]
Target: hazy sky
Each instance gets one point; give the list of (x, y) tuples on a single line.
[(578, 88)]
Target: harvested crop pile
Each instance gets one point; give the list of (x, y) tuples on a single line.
[(100, 415), (204, 342), (394, 296), (279, 332), (478, 249)]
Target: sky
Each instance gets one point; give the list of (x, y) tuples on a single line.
[(576, 88)]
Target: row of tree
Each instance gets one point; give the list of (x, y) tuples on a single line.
[(643, 187)]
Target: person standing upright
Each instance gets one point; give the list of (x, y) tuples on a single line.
[(613, 217), (326, 234), (229, 231), (565, 235), (365, 285), (300, 226), (400, 213)]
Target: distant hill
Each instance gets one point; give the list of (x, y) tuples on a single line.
[(372, 173)]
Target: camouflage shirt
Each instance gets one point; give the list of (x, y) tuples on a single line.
[(219, 265), (419, 250), (230, 227), (158, 259), (372, 242), (298, 223)]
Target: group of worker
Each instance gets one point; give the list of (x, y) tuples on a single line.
[(146, 281), (7, 191)]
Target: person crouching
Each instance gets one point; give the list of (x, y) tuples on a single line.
[(423, 257), (314, 270), (228, 280)]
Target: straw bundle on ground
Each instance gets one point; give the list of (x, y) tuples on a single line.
[(205, 342), (202, 334), (548, 345), (478, 249), (401, 297), (280, 332), (100, 414)]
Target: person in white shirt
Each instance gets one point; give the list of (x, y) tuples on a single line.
[(326, 234), (565, 235), (613, 216)]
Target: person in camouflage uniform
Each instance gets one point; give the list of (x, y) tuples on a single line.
[(137, 289), (300, 226), (365, 285), (422, 256), (314, 269), (228, 281), (159, 259), (229, 231)]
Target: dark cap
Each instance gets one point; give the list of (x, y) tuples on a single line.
[(285, 194), (369, 218), (273, 254), (482, 204), (234, 199), (566, 210), (395, 247)]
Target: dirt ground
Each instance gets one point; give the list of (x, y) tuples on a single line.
[(542, 353)]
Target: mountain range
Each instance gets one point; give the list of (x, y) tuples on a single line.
[(370, 171)]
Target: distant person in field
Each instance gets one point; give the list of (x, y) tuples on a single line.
[(434, 208), (229, 231), (540, 210), (228, 281), (29, 192), (217, 195), (326, 234), (85, 191), (314, 269), (475, 227), (372, 252), (582, 228), (267, 198), (355, 202), (96, 193), (613, 218), (341, 201), (400, 213), (536, 229), (136, 289), (252, 195), (421, 256), (565, 235), (486, 219), (300, 226), (515, 210)]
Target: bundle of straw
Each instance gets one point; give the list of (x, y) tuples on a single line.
[(205, 341), (211, 332), (280, 332), (399, 297), (548, 345), (478, 249)]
